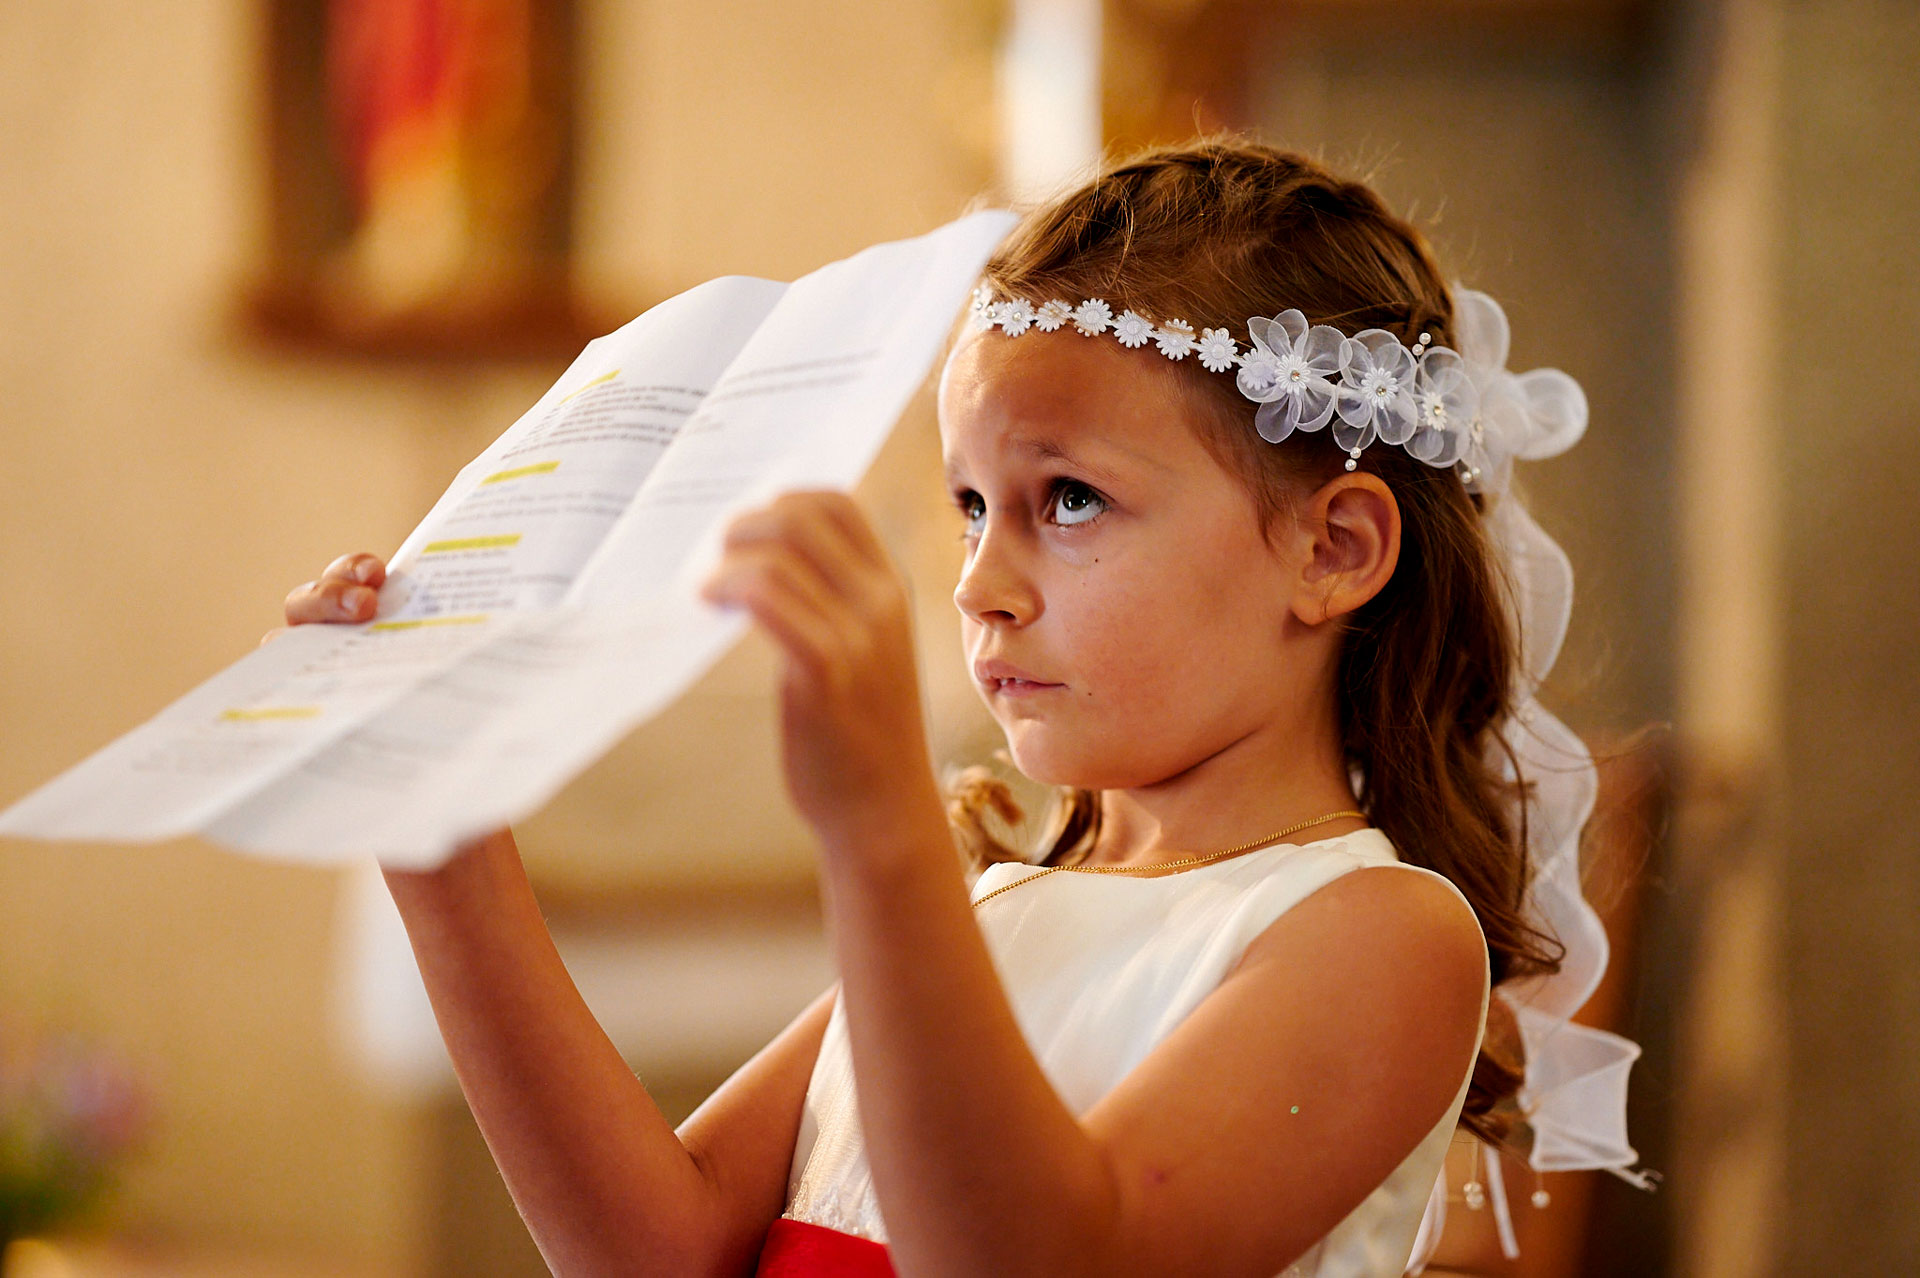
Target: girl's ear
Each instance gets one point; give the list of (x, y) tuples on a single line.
[(1349, 537)]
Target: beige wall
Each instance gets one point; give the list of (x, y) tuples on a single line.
[(1795, 1065), (166, 483), (1850, 559)]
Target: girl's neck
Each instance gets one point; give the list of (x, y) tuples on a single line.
[(1233, 797)]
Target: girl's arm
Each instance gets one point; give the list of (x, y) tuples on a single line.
[(1245, 1135), (1251, 1130), (592, 1164), (978, 1165), (604, 1183)]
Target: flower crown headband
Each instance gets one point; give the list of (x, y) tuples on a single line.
[(1445, 407), (1455, 408)]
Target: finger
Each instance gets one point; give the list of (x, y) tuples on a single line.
[(760, 566), (852, 524), (799, 521), (774, 590), (362, 567), (803, 635), (329, 600), (846, 526)]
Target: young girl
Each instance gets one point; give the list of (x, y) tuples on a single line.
[(1227, 1017)]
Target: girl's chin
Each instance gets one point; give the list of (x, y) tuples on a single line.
[(1075, 770), (1038, 764)]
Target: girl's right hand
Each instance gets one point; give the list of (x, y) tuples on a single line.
[(347, 591)]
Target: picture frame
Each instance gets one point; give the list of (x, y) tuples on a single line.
[(419, 180)]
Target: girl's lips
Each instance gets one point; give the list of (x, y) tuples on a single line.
[(993, 670), (1019, 687)]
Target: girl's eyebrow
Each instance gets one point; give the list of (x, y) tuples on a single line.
[(1050, 450)]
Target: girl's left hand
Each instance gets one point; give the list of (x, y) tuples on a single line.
[(811, 571)]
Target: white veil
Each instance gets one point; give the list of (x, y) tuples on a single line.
[(1575, 1090)]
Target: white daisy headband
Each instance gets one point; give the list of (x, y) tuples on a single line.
[(1455, 408), (1446, 408)]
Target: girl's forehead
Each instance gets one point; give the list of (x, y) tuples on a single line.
[(1055, 394)]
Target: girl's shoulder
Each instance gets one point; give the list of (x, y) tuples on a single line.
[(1303, 869), (1344, 899)]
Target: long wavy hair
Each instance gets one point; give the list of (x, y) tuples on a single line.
[(1213, 232)]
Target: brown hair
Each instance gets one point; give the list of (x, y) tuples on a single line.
[(1213, 232)]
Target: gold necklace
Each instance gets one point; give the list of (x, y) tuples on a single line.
[(1166, 865)]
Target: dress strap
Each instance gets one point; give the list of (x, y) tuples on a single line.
[(801, 1249), (1433, 1223)]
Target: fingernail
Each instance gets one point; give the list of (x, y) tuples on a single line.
[(353, 599), (363, 571)]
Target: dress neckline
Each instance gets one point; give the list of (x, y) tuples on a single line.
[(1371, 834)]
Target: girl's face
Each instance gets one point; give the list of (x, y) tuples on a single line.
[(1123, 616)]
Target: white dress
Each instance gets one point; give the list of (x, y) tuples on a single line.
[(1099, 968)]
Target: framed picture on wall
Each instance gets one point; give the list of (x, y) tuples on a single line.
[(420, 171)]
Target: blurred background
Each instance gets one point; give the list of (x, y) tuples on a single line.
[(272, 270)]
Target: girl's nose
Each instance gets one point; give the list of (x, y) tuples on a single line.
[(993, 590)]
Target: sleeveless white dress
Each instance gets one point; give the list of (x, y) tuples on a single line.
[(1098, 969)]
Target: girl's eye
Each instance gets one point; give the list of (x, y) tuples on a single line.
[(974, 507), (1076, 503), (1072, 503)]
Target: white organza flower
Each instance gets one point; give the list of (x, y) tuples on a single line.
[(1016, 317), (1217, 350), (1448, 404), (1530, 415), (1376, 391), (1289, 373), (1175, 339), (1556, 411), (1093, 317), (1132, 329), (1052, 316)]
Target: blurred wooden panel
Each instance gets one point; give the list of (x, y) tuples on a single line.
[(1173, 68)]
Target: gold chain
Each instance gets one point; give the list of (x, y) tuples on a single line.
[(1166, 865)]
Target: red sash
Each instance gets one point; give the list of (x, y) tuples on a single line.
[(798, 1249)]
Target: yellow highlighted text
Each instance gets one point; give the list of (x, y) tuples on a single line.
[(604, 377), (247, 714), (472, 543), (538, 468), (465, 619)]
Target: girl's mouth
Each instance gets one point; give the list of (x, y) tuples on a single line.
[(1021, 687), (998, 675)]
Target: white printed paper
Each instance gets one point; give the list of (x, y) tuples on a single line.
[(547, 603)]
